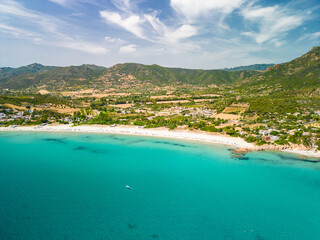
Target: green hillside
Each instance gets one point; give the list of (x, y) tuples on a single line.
[(52, 77), (301, 74), (6, 72), (91, 74), (159, 76)]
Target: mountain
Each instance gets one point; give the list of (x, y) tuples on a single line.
[(256, 67), (51, 76), (128, 74), (300, 74), (159, 76), (32, 68)]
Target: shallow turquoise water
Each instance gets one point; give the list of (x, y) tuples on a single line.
[(72, 186)]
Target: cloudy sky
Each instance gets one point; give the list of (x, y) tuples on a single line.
[(204, 34)]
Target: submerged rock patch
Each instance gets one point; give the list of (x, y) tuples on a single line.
[(170, 143), (57, 140), (83, 148)]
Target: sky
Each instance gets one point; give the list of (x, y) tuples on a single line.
[(198, 34)]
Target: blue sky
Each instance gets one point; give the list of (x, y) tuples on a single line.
[(205, 34)]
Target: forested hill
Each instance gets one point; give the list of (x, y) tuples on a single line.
[(7, 72), (301, 73), (92, 75), (159, 76), (23, 77)]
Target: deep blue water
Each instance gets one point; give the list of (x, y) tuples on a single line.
[(72, 186)]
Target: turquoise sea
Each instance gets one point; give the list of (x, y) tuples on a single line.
[(72, 186)]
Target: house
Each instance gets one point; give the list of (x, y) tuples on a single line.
[(263, 132), (274, 138), (266, 138), (20, 114)]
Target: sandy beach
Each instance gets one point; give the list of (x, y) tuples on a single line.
[(162, 133)]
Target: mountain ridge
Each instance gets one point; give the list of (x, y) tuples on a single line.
[(302, 72), (256, 67), (89, 74)]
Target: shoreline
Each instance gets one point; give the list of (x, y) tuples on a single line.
[(236, 142)]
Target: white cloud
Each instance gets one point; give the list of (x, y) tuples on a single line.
[(273, 22), (111, 40), (15, 9), (83, 46), (128, 48), (315, 35), (123, 5), (149, 27), (20, 33), (60, 2), (46, 30), (131, 23), (171, 35), (311, 36), (17, 32), (75, 4), (185, 31), (277, 42), (155, 23), (195, 8), (199, 35)]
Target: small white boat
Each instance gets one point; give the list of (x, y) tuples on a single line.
[(127, 186)]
